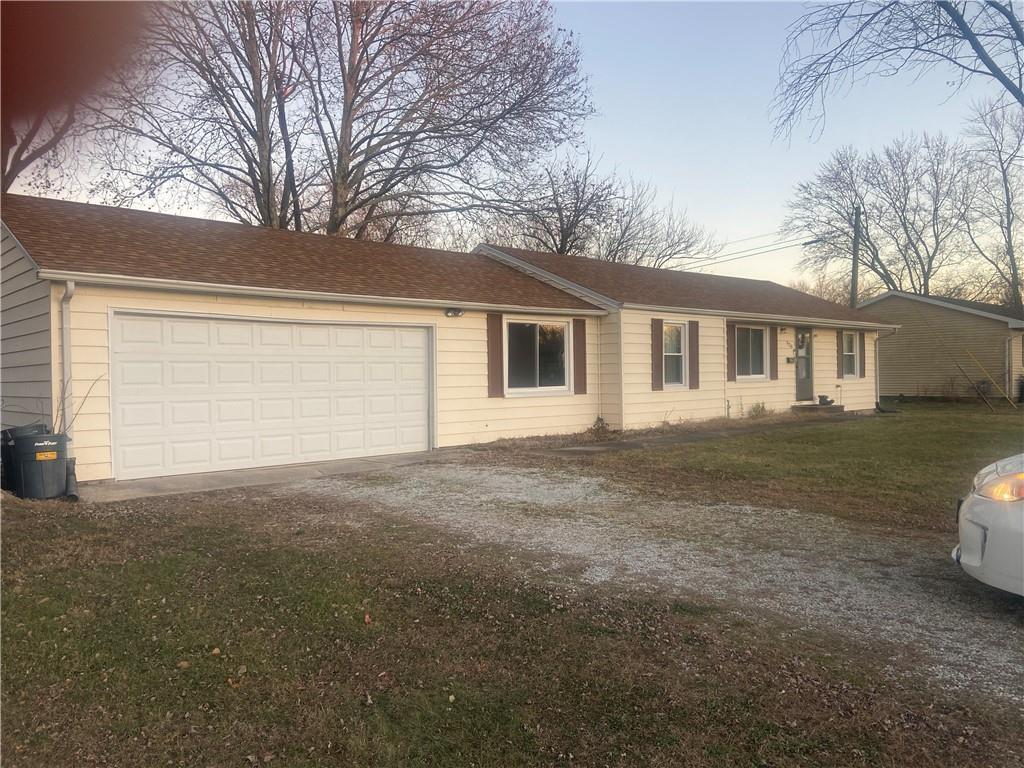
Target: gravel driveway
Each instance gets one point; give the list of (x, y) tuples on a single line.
[(896, 591)]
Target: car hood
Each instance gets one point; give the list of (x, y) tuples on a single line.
[(1006, 466)]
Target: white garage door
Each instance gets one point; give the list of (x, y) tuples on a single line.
[(204, 394)]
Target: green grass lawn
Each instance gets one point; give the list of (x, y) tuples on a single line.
[(239, 628), (225, 629), (904, 469)]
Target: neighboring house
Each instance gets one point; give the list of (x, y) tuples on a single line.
[(947, 347), (182, 345)]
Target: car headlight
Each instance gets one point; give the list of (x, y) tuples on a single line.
[(1002, 488)]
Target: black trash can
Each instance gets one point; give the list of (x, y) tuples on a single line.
[(40, 466), (7, 450)]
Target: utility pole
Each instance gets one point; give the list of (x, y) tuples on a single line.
[(856, 255)]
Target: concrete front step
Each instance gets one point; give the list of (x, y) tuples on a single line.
[(813, 409)]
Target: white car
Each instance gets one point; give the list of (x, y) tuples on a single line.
[(991, 523)]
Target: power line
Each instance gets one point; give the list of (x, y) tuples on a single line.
[(793, 240), (748, 252), (753, 237), (716, 262)]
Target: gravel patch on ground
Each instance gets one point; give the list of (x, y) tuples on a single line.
[(896, 591)]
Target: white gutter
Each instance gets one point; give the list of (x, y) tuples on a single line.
[(67, 402), (878, 373), (788, 319), (164, 284)]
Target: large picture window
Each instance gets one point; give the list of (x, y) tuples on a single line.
[(849, 353), (536, 355), (672, 347), (749, 351)]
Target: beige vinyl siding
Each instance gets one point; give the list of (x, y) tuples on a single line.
[(25, 371), (611, 370), (920, 359), (717, 397), (643, 407), (464, 413), (855, 392), (779, 395), (1016, 364)]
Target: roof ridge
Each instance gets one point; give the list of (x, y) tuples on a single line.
[(508, 249), (241, 226)]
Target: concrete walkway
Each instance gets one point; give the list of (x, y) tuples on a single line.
[(121, 490)]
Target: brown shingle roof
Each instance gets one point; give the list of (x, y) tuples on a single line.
[(628, 284), (76, 237)]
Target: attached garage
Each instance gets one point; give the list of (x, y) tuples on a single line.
[(199, 394), (200, 346)]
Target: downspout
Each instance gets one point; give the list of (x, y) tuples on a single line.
[(67, 403), (878, 375)]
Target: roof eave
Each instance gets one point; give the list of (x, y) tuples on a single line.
[(164, 284), (764, 317)]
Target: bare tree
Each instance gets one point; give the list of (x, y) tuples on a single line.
[(830, 286), (423, 108), (834, 45), (202, 109), (996, 134), (345, 117), (642, 231), (914, 195), (26, 142), (575, 200)]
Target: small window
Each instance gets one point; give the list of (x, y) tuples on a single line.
[(849, 353), (749, 351), (673, 337), (536, 355)]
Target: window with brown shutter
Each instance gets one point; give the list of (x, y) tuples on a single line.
[(495, 357), (839, 354), (863, 361), (657, 354), (773, 352), (579, 356)]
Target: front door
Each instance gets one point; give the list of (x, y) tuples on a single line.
[(804, 366)]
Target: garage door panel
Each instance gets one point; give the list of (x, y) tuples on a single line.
[(236, 450), (190, 413), (195, 394)]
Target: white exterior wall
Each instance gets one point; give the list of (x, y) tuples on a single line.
[(464, 412), (644, 407), (718, 397), (25, 332), (855, 392)]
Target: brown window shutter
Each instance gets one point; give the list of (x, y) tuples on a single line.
[(861, 357), (773, 352), (657, 354), (730, 351), (839, 354), (579, 356), (495, 355), (693, 341)]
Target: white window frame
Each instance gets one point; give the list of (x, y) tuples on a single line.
[(855, 354), (538, 391), (764, 353), (682, 354)]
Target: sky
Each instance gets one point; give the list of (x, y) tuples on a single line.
[(683, 93)]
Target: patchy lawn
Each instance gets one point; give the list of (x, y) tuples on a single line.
[(904, 469), (238, 628)]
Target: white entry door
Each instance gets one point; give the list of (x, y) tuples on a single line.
[(204, 394)]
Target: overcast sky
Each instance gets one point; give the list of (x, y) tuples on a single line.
[(683, 90)]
